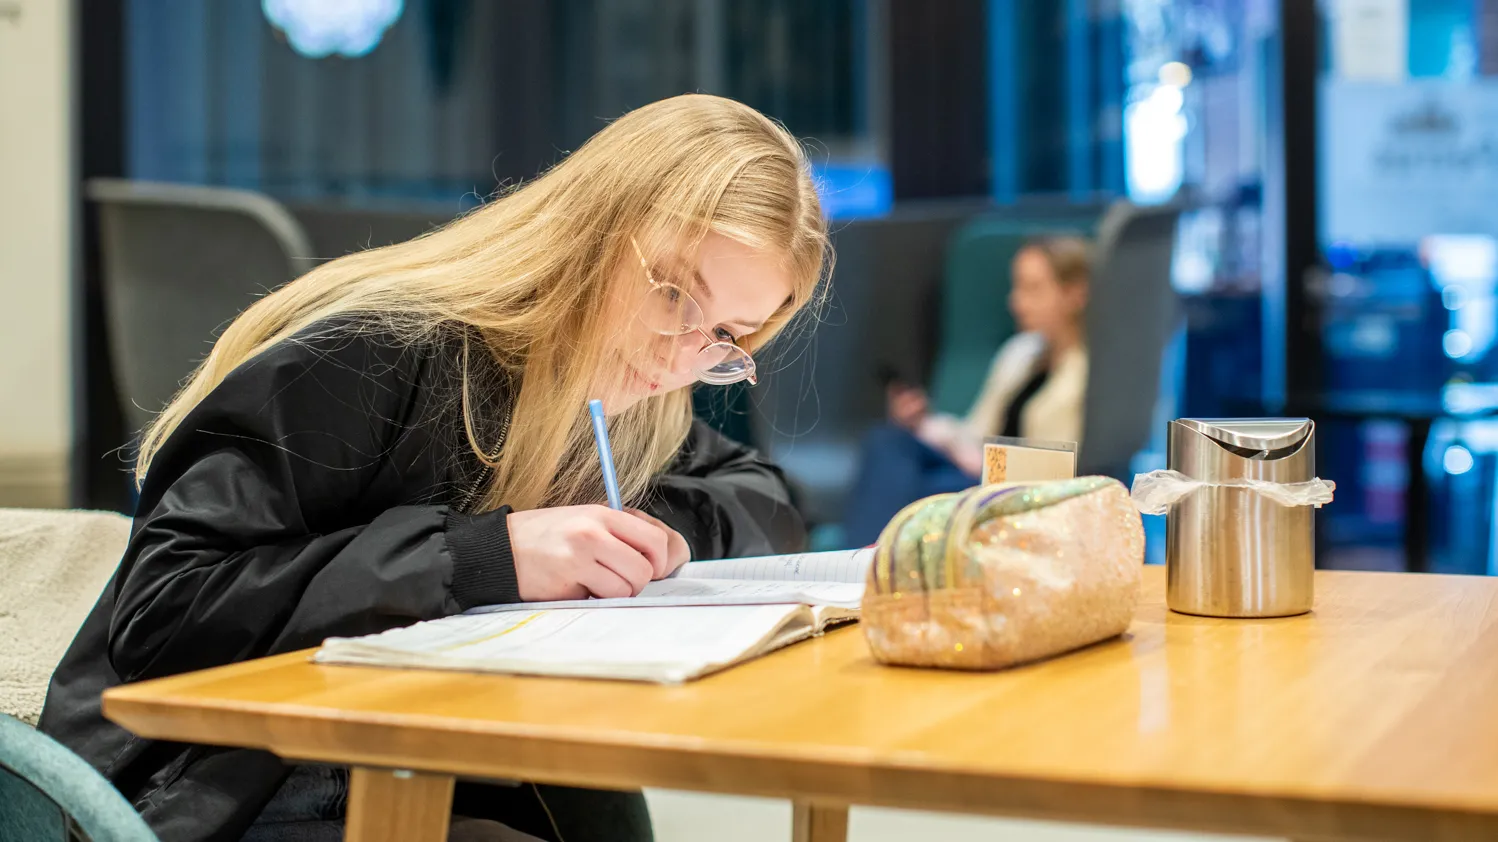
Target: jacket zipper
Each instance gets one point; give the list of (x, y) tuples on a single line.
[(466, 500)]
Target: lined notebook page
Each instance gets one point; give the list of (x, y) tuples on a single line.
[(664, 644), (850, 566)]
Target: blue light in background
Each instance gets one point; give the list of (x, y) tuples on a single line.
[(1154, 136), (1342, 257), (1457, 460), (1464, 269), (1456, 343), (851, 191), (320, 28)]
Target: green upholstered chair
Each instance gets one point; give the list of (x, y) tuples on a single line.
[(49, 794)]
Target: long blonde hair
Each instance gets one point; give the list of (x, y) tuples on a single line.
[(530, 273)]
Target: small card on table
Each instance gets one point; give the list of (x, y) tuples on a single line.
[(1027, 460)]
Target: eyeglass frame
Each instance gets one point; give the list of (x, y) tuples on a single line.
[(655, 285)]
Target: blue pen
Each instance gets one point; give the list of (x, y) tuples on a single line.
[(605, 454)]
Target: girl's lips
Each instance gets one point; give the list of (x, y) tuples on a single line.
[(640, 380)]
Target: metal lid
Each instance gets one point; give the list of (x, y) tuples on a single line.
[(1262, 434)]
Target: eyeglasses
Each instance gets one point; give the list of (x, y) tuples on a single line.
[(671, 311)]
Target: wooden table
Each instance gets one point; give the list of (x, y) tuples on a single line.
[(1375, 718)]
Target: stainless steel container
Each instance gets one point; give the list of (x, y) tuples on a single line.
[(1231, 552)]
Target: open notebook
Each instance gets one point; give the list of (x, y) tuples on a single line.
[(711, 615)]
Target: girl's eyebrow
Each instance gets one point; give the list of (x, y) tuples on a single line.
[(701, 286)]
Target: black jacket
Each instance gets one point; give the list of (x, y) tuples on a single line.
[(316, 492)]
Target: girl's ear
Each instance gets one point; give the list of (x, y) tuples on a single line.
[(1078, 294)]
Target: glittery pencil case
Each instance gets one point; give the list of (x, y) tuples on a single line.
[(1004, 574)]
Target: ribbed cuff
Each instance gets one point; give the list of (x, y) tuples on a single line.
[(483, 563)]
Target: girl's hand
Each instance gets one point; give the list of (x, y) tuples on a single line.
[(574, 552), (677, 551), (907, 406)]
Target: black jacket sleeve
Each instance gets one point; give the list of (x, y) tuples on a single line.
[(726, 500), (279, 512)]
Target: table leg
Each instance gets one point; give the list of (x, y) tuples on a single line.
[(818, 823), (398, 806), (1417, 499)]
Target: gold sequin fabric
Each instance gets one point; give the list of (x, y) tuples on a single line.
[(1001, 575)]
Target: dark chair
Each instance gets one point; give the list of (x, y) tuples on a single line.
[(180, 262), (1130, 319), (338, 228), (821, 386)]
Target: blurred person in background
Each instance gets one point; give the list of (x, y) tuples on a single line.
[(402, 434), (1035, 390)]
